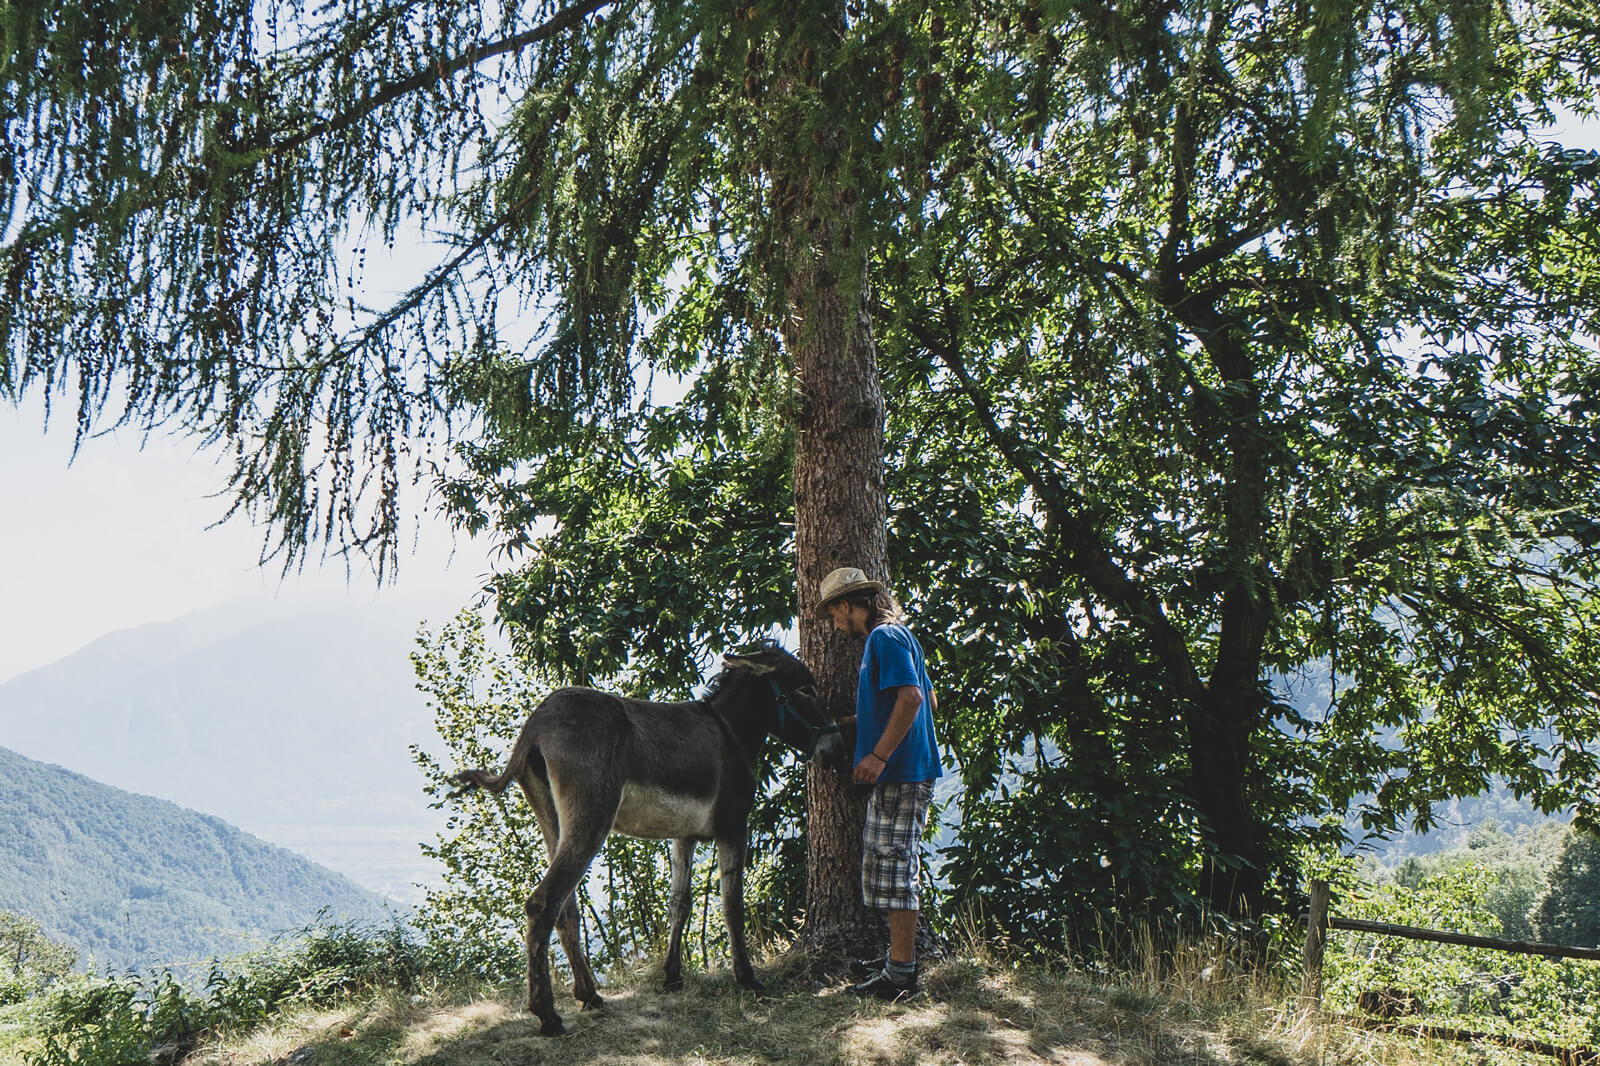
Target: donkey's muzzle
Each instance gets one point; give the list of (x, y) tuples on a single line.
[(831, 751)]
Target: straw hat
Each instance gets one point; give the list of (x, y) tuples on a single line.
[(842, 582)]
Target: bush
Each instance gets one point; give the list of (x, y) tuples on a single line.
[(31, 960), (1555, 1000), (1567, 913), (111, 1021), (13, 990), (319, 966)]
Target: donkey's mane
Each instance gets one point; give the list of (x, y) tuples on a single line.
[(731, 671)]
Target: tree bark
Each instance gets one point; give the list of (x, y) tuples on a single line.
[(839, 496), (1219, 733), (840, 520), (1222, 723)]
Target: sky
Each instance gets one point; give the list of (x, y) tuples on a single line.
[(122, 535)]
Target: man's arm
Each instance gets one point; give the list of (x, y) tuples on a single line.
[(907, 701)]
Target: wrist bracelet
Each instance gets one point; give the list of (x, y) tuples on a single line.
[(880, 758)]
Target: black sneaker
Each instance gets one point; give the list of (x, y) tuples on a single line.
[(867, 967), (885, 987)]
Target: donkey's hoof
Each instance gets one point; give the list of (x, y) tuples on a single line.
[(674, 984), (593, 1002), (553, 1027), (754, 984)]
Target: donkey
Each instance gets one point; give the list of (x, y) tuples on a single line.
[(592, 763)]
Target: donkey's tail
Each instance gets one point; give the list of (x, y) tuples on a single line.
[(471, 780)]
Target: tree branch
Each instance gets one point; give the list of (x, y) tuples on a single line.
[(1086, 556), (143, 196), (442, 70)]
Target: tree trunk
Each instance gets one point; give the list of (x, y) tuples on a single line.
[(1219, 754), (840, 520), (839, 497), (1222, 722)]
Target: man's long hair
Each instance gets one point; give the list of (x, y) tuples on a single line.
[(880, 604)]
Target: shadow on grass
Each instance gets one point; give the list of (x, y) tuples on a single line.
[(964, 1016)]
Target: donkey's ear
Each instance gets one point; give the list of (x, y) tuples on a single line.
[(747, 662)]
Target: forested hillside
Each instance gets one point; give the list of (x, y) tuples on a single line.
[(293, 725), (133, 881)]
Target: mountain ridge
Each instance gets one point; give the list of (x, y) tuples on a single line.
[(292, 724), (133, 881)]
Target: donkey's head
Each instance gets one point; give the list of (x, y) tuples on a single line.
[(801, 719)]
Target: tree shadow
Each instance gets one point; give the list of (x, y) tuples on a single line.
[(712, 1021)]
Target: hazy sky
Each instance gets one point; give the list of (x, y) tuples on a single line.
[(118, 537)]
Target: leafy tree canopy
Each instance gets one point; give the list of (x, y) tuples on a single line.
[(1242, 457), (1224, 345)]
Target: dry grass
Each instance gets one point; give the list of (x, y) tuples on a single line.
[(1203, 1011), (1199, 1006)]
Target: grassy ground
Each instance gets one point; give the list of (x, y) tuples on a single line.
[(972, 1013)]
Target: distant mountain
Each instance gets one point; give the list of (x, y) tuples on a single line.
[(1456, 821), (132, 881), (292, 725)]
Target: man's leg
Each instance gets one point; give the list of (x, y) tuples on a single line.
[(903, 936), (889, 880)]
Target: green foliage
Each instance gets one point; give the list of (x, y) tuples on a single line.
[(1567, 912), (492, 849), (1452, 900), (1199, 491), (1161, 458), (1082, 871), (1515, 866), (492, 853), (104, 1022), (113, 1021), (1556, 1000), (29, 960), (321, 965)]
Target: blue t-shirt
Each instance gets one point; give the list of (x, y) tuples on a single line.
[(893, 658)]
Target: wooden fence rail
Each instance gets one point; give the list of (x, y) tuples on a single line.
[(1318, 923)]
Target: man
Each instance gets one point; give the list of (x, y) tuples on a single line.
[(897, 754)]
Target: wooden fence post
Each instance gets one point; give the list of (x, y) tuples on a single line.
[(1316, 938)]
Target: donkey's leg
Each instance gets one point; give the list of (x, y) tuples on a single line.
[(541, 1001), (678, 908), (573, 855), (730, 864), (541, 919), (584, 989), (583, 983)]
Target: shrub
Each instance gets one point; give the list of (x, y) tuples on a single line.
[(29, 960), (1567, 913), (1556, 1000), (111, 1021)]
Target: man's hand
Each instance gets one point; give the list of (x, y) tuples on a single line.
[(868, 770)]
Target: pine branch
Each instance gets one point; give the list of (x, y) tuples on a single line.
[(443, 70)]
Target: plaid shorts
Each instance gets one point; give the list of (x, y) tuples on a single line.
[(891, 845)]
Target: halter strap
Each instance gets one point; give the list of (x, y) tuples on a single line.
[(814, 733), (785, 711)]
